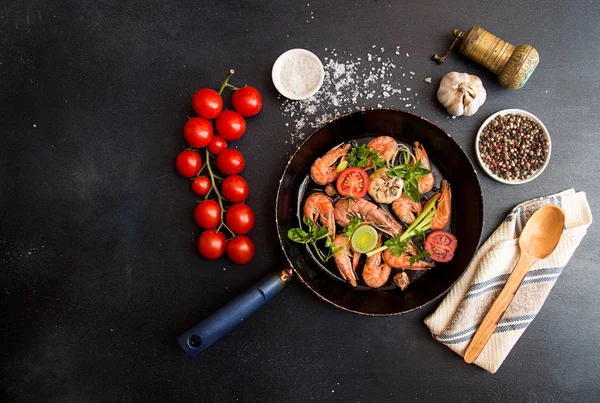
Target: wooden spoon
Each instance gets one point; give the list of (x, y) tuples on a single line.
[(538, 239)]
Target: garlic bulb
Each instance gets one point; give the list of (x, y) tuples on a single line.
[(461, 93)]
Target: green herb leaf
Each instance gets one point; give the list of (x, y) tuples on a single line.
[(399, 171), (411, 188), (332, 248), (410, 174), (419, 253), (360, 156), (418, 256), (397, 245), (309, 223), (298, 235), (311, 237), (352, 226), (321, 233)]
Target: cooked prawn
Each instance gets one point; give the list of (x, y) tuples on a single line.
[(323, 170), (406, 209), (320, 207), (425, 182), (343, 257), (345, 209), (386, 147), (375, 273), (443, 209), (403, 261)]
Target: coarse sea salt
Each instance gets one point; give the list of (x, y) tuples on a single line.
[(350, 83), (299, 75)]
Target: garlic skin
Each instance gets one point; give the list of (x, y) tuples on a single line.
[(461, 93)]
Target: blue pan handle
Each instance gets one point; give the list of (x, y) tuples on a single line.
[(219, 323)]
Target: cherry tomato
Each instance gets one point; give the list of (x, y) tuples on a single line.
[(230, 125), (441, 246), (201, 185), (207, 103), (207, 214), (247, 101), (240, 218), (217, 144), (188, 163), (212, 244), (230, 162), (353, 182), (198, 132), (240, 249), (235, 189)]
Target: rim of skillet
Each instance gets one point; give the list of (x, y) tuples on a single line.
[(297, 273)]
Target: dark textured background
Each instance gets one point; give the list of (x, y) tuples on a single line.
[(99, 271)]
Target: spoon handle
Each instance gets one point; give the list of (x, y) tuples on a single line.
[(503, 300)]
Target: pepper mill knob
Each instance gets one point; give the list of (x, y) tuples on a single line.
[(513, 65)]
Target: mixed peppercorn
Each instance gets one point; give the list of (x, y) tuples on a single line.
[(513, 146)]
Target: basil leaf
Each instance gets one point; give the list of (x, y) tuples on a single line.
[(321, 233), (419, 172), (299, 236), (411, 188), (309, 223), (399, 171)]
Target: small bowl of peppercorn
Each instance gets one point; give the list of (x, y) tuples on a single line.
[(513, 146)]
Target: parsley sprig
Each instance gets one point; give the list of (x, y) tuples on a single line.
[(359, 156)]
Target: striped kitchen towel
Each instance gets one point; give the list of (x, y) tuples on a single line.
[(455, 321)]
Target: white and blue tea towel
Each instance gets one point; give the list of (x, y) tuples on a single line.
[(455, 321)]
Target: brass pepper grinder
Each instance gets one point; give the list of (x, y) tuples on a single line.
[(512, 65)]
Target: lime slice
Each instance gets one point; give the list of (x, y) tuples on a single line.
[(364, 239)]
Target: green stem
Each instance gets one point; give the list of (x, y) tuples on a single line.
[(428, 208), (233, 87), (376, 251), (216, 189), (224, 83), (227, 228)]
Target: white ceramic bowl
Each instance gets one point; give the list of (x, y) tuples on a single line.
[(280, 62), (535, 174)]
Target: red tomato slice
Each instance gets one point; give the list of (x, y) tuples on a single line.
[(441, 246), (353, 182)]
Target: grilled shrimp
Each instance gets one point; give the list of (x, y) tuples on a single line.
[(320, 207), (403, 261), (345, 209), (443, 208), (343, 257), (323, 170), (406, 210), (385, 146), (375, 273), (426, 182)]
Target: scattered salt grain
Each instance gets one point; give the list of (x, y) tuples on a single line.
[(428, 80), (350, 83)]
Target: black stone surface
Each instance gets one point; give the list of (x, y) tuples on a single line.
[(99, 271)]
